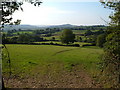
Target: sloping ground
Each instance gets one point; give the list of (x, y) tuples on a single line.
[(39, 66), (64, 79)]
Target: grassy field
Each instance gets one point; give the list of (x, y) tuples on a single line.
[(31, 60), (22, 32), (79, 31), (23, 56)]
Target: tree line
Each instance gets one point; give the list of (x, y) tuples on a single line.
[(66, 35)]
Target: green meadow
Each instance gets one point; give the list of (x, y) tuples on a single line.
[(27, 60)]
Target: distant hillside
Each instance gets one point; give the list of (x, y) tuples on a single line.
[(23, 27), (68, 26), (34, 27), (63, 26)]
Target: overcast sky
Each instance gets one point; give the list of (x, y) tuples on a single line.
[(56, 12)]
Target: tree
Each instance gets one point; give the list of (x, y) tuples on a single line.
[(37, 38), (5, 39), (53, 39), (111, 60), (24, 38), (101, 39), (79, 39), (88, 32), (67, 36)]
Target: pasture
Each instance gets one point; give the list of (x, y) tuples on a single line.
[(47, 62)]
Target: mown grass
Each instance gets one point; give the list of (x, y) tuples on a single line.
[(31, 59)]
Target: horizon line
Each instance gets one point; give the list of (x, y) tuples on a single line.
[(64, 24)]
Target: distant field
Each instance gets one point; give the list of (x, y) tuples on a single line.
[(21, 32), (79, 31)]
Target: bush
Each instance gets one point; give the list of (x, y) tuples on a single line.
[(101, 39)]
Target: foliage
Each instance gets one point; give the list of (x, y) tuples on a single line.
[(24, 38), (111, 60), (46, 31), (9, 7), (21, 38), (88, 32), (79, 39), (67, 36), (94, 27), (53, 39), (101, 40)]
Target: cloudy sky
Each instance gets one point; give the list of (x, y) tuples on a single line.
[(56, 12)]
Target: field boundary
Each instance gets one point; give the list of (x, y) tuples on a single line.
[(73, 45)]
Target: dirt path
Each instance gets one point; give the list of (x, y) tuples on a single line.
[(65, 79)]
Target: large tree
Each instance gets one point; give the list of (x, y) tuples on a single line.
[(111, 61), (67, 36)]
